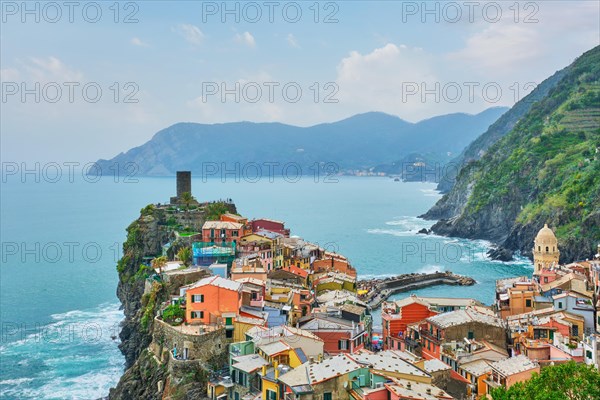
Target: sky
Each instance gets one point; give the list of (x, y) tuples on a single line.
[(88, 80)]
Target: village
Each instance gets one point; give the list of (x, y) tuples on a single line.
[(294, 322)]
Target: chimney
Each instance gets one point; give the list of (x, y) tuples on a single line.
[(264, 370), (276, 373), (408, 386), (428, 391), (311, 360)]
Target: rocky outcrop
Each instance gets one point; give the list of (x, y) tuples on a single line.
[(545, 170), (145, 238)]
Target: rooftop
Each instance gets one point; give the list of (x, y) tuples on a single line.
[(387, 361), (330, 368), (477, 367), (435, 365), (218, 282), (460, 317), (417, 391), (222, 225), (249, 363), (514, 365), (274, 348)]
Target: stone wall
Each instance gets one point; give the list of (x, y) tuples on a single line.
[(210, 347)]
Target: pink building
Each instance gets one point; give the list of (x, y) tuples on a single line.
[(269, 225)]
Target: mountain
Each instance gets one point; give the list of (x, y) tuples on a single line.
[(545, 170), (361, 141), (498, 129)]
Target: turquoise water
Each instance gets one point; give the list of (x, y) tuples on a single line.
[(59, 310)]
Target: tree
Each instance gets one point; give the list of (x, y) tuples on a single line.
[(185, 255), (159, 263), (172, 312), (570, 381)]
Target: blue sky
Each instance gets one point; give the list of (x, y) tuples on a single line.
[(378, 56)]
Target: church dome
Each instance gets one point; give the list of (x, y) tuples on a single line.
[(546, 237)]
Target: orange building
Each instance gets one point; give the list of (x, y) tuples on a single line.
[(209, 298), (397, 315), (510, 371), (334, 262)]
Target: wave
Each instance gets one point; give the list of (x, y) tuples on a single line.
[(76, 356), (430, 269)]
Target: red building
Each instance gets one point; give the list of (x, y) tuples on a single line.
[(339, 335), (397, 315), (221, 232), (269, 225)]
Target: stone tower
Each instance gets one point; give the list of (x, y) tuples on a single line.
[(545, 250), (184, 183)]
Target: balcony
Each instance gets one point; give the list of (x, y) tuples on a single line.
[(412, 342)]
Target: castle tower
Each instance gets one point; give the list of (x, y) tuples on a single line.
[(184, 182), (545, 249)]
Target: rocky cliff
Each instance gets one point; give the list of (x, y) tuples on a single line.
[(545, 170), (145, 377)]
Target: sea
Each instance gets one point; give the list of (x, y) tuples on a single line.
[(61, 239)]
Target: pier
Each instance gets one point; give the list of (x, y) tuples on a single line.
[(376, 291)]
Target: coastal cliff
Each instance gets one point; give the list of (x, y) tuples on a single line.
[(545, 170), (146, 377)]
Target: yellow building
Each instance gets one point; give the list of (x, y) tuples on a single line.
[(545, 249)]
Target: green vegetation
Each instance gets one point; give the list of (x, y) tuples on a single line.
[(159, 263), (547, 169), (149, 302), (172, 312), (214, 211), (569, 381), (185, 255), (148, 210)]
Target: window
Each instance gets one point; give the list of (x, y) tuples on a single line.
[(327, 396), (470, 335), (234, 233), (197, 314), (575, 330), (560, 304), (547, 248), (342, 345), (528, 303), (271, 395), (212, 233), (588, 354), (197, 298), (229, 333), (545, 279)]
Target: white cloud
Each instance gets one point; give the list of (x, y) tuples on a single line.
[(291, 39), (138, 42), (9, 74), (245, 38), (375, 81), (51, 69), (191, 33)]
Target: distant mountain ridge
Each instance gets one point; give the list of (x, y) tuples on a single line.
[(361, 141)]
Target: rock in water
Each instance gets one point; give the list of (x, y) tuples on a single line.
[(500, 254)]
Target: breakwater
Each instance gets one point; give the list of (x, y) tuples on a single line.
[(376, 291)]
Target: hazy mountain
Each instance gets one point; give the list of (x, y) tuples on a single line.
[(361, 141)]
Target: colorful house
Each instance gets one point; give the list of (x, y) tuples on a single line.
[(220, 232), (210, 298), (265, 224), (397, 315), (509, 371), (339, 335)]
